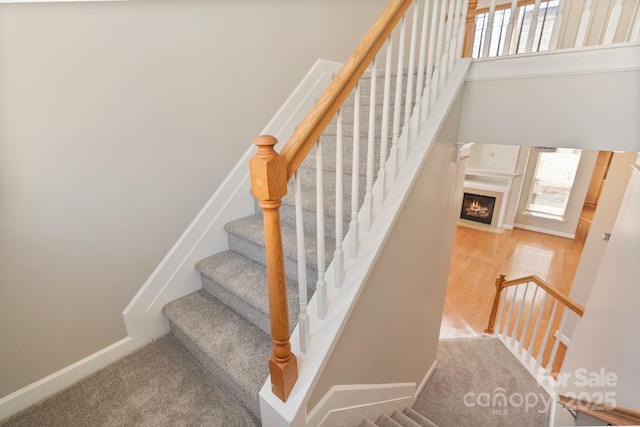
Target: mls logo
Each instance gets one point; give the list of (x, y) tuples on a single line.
[(500, 411)]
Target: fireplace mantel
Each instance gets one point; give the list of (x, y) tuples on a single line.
[(491, 180)]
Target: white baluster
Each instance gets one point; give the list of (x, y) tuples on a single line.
[(367, 217), (537, 327), (546, 335), (454, 36), (585, 21), (533, 26), (505, 331), (559, 333), (489, 33), (423, 54), (515, 329), (424, 110), (321, 284), (355, 176), (614, 19), (506, 49), (438, 52), (408, 103), (557, 26), (461, 29), (397, 106), (523, 336), (384, 133), (444, 68), (338, 257), (303, 318), (634, 28)]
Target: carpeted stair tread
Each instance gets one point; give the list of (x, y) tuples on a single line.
[(418, 418), (403, 419), (386, 421), (242, 285), (246, 237), (367, 423), (234, 350)]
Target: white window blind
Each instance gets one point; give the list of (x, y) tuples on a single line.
[(552, 181)]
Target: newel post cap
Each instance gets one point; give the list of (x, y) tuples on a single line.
[(268, 170)]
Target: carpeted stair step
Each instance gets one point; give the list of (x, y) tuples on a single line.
[(242, 285), (420, 419), (234, 350), (403, 419), (367, 423), (246, 237), (386, 421)]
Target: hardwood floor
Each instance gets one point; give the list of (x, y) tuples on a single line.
[(480, 256)]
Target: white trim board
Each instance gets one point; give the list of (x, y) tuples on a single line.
[(424, 382), (545, 231), (65, 377)]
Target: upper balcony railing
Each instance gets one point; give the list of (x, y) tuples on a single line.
[(537, 25)]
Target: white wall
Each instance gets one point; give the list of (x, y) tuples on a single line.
[(607, 337), (118, 120), (392, 333)]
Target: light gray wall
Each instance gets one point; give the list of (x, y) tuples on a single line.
[(607, 336), (118, 120), (392, 334)]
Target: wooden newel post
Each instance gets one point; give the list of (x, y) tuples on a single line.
[(470, 29), (496, 302), (269, 185)]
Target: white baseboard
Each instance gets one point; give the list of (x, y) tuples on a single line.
[(545, 231), (33, 393), (350, 404)]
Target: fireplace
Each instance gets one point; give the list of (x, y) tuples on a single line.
[(477, 208)]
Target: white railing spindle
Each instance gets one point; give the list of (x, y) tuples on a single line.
[(532, 26), (368, 197), (397, 106), (537, 327), (444, 68), (557, 25), (430, 60), (585, 21), (355, 176), (517, 325), (408, 103), (454, 36), (489, 34), (523, 336), (423, 54), (384, 131), (321, 284), (438, 58), (634, 28), (461, 29), (546, 335), (505, 330), (303, 317), (559, 333), (338, 257), (506, 49), (614, 20)]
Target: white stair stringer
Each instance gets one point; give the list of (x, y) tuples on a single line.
[(325, 333)]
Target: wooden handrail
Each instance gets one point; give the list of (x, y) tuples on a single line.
[(271, 171), (617, 415), (308, 132), (502, 283)]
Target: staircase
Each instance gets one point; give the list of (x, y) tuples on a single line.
[(225, 325), (407, 418)]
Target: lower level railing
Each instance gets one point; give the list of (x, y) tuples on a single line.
[(530, 316)]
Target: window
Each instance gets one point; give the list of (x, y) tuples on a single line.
[(520, 33), (552, 182)]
